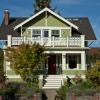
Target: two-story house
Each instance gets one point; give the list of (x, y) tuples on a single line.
[(65, 40)]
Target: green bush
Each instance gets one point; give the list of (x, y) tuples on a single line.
[(93, 74)]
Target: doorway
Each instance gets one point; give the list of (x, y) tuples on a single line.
[(52, 65)]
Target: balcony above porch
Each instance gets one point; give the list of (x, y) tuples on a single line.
[(77, 42)]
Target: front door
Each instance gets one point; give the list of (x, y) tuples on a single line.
[(52, 65)]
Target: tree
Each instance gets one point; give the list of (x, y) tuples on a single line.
[(93, 74), (40, 4), (26, 61), (2, 74), (93, 56)]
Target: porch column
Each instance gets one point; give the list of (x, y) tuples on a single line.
[(82, 41), (9, 41), (63, 61), (83, 60)]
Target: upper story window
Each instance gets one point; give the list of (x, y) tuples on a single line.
[(36, 33), (45, 33), (55, 33)]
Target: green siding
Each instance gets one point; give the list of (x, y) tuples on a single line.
[(53, 21), (26, 32), (65, 32), (74, 72), (38, 21)]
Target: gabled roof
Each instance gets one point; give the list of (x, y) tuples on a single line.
[(50, 11), (8, 29), (84, 25)]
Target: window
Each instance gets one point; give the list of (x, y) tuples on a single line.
[(36, 33), (72, 61), (46, 33), (55, 33)]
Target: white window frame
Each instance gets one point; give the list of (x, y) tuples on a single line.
[(56, 30), (35, 33)]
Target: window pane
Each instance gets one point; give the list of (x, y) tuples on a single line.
[(46, 33), (36, 33), (55, 33)]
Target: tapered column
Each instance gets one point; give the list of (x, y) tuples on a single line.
[(83, 60), (9, 41), (82, 41), (63, 61)]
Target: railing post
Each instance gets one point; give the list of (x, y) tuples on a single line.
[(42, 41), (82, 40), (50, 40), (53, 41), (24, 39), (67, 40), (9, 40)]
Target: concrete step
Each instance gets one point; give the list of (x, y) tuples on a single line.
[(53, 82), (51, 87), (50, 83)]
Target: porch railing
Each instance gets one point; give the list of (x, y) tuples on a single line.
[(48, 41)]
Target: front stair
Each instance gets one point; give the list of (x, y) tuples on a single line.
[(53, 82)]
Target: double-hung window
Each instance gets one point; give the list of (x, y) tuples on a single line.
[(36, 33), (55, 33)]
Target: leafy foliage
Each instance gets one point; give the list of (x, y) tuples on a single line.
[(93, 57), (26, 60), (1, 59), (76, 86), (62, 92), (40, 4), (93, 73), (2, 74)]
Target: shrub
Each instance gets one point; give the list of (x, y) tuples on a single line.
[(93, 74)]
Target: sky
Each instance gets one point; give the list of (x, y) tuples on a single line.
[(67, 8)]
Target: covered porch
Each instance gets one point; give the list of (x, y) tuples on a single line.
[(66, 63)]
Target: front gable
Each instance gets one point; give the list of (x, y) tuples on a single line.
[(39, 21), (55, 22), (48, 20), (46, 17)]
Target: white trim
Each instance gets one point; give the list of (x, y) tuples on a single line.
[(67, 52), (63, 61), (52, 27), (53, 13), (46, 21), (77, 67), (70, 31), (21, 31)]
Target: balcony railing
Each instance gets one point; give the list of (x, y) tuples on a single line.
[(48, 41)]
